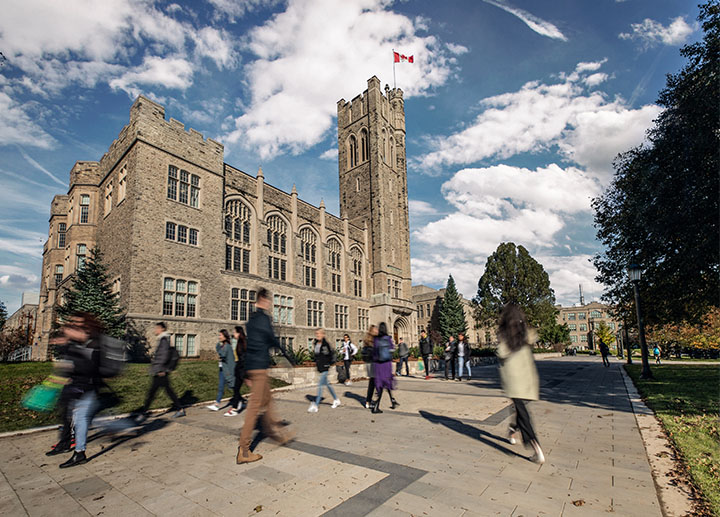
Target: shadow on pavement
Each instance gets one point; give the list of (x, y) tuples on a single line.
[(359, 398), (470, 431), (147, 427)]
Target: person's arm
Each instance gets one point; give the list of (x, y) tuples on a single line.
[(354, 350)]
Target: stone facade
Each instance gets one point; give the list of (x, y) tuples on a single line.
[(427, 305), (188, 239), (583, 319)]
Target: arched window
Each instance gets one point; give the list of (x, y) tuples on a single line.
[(335, 251), (237, 236), (364, 146), (277, 243), (356, 259), (308, 250), (384, 145), (352, 151)]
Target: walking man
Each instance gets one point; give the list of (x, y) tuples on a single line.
[(349, 350), (404, 354), (260, 339), (160, 371), (604, 352), (450, 355), (463, 352), (426, 352)]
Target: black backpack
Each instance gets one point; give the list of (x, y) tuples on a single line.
[(112, 356), (367, 354), (173, 359)]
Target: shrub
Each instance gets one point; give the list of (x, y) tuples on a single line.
[(485, 351), (414, 352), (439, 352)]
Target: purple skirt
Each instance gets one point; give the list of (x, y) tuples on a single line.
[(384, 376)]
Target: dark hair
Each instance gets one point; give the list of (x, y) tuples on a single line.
[(161, 324), (262, 293), (512, 327), (346, 336), (382, 329), (92, 325), (242, 340), (225, 334)]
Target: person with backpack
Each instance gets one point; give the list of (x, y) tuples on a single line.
[(367, 355), (403, 353), (518, 373), (426, 352), (463, 354), (324, 358), (382, 357), (163, 362), (348, 350), (450, 356), (226, 367), (240, 344)]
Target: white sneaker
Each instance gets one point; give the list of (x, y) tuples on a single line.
[(348, 383), (538, 457), (367, 405), (335, 403), (511, 438), (231, 412), (313, 408), (213, 407)]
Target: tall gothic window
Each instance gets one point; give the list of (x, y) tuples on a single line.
[(357, 268), (62, 228), (237, 236), (384, 145), (277, 242), (308, 250), (122, 184), (352, 151), (391, 152), (84, 209), (364, 146), (335, 251)]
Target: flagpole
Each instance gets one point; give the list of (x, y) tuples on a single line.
[(394, 81)]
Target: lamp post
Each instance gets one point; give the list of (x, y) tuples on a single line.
[(634, 274)]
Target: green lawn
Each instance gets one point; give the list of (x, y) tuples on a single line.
[(193, 381), (686, 399)]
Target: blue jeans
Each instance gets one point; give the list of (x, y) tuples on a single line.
[(399, 366), (324, 382), (83, 411), (461, 362), (221, 386)]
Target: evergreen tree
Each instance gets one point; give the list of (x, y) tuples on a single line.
[(451, 317), (513, 276), (3, 315), (91, 292)]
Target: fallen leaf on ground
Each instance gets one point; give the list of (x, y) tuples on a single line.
[(579, 502)]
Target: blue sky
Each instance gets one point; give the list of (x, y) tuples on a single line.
[(514, 109)]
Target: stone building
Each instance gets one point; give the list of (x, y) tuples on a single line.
[(427, 305), (188, 239), (583, 319), (26, 315)]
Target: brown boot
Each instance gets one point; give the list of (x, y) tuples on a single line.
[(247, 456)]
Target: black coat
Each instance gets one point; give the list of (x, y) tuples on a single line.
[(450, 350), (161, 356), (260, 339), (425, 346), (323, 356), (85, 375)]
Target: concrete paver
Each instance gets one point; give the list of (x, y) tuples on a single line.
[(442, 452)]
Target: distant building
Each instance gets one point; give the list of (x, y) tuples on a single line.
[(26, 316), (427, 304), (583, 319)]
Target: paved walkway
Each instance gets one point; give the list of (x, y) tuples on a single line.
[(441, 453)]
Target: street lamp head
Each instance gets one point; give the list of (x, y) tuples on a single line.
[(634, 272)]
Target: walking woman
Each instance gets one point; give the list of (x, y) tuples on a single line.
[(518, 374), (323, 360), (382, 357), (240, 345), (226, 373), (367, 355)]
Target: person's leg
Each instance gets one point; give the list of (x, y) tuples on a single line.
[(371, 387), (253, 408), (524, 423), (348, 362), (452, 366), (461, 364), (321, 382), (467, 365), (154, 385), (82, 415), (426, 365), (330, 388), (447, 368), (165, 379), (407, 366), (221, 386)]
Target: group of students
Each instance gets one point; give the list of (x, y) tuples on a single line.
[(246, 358)]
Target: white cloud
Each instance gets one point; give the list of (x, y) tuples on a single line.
[(39, 167), (595, 79), (17, 127), (420, 208), (330, 154), (651, 33), (305, 65), (21, 242), (567, 273), (216, 45), (233, 9), (587, 127), (170, 72), (542, 27)]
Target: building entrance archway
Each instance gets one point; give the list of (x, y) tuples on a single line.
[(401, 329)]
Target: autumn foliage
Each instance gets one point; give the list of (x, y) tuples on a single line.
[(696, 339)]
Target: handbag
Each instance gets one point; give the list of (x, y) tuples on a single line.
[(44, 397)]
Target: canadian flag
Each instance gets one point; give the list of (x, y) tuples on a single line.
[(402, 57)]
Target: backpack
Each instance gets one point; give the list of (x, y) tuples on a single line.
[(341, 374), (112, 356), (173, 359), (367, 354), (384, 353)]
